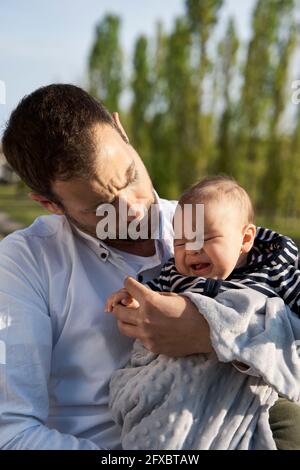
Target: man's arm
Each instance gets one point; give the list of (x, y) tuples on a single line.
[(25, 357), (166, 324)]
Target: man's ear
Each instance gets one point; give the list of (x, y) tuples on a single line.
[(46, 203), (248, 238), (116, 118)]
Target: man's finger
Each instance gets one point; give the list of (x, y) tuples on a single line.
[(127, 315), (136, 289), (128, 330), (130, 302)]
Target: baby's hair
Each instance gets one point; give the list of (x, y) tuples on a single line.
[(219, 188)]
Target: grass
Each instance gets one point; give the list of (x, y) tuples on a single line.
[(15, 203), (285, 225)]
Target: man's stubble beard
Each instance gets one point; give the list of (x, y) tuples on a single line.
[(89, 230)]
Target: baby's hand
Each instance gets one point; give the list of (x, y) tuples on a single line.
[(120, 297)]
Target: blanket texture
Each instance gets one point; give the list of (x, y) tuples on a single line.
[(203, 401)]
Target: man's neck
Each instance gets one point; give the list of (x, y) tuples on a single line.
[(139, 248)]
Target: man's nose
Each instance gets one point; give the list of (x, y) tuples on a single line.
[(135, 212), (133, 209)]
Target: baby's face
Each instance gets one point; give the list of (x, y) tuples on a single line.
[(222, 249)]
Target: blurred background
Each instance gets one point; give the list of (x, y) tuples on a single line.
[(202, 87)]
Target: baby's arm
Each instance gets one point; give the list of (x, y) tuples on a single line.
[(122, 297)]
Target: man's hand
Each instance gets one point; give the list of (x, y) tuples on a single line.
[(166, 324)]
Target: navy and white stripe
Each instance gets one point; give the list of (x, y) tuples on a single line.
[(272, 268)]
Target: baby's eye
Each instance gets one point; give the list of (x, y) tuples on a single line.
[(211, 238)]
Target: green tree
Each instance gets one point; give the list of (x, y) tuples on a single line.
[(292, 187), (257, 93), (278, 171), (142, 97), (160, 138), (105, 63), (194, 111), (181, 97), (227, 52), (202, 18)]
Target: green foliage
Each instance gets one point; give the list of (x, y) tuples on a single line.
[(260, 90), (105, 63), (199, 106), (15, 204), (142, 98), (226, 159), (277, 173)]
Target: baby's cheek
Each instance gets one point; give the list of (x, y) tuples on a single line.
[(183, 269), (221, 271), (180, 263), (219, 274)]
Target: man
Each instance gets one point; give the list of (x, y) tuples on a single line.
[(55, 276), (58, 347)]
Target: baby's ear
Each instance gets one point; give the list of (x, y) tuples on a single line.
[(248, 238)]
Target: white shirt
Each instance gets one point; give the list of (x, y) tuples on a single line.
[(137, 263), (58, 349)]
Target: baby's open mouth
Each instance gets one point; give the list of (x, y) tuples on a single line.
[(200, 267)]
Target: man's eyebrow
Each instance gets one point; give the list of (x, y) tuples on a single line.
[(128, 175), (129, 171)]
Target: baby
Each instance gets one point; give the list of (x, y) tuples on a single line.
[(235, 253)]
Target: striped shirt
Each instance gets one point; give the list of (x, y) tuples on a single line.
[(272, 268)]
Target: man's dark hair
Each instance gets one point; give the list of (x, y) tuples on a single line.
[(49, 136)]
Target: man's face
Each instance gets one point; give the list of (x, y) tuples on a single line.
[(119, 175)]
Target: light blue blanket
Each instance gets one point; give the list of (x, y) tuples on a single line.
[(204, 401)]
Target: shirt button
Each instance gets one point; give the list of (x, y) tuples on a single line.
[(103, 255), (140, 278)]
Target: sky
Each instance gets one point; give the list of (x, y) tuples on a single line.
[(46, 41)]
